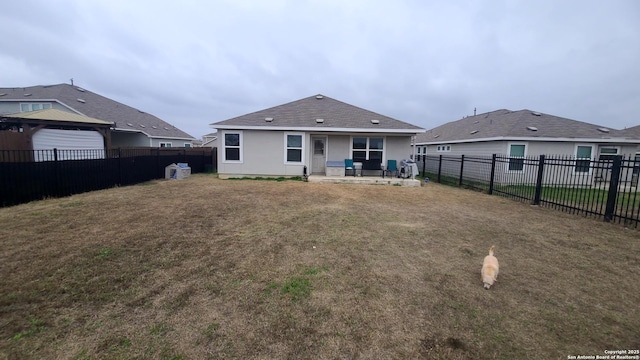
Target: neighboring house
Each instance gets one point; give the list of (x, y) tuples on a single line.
[(131, 127), (283, 140), (526, 133), (55, 129), (210, 140)]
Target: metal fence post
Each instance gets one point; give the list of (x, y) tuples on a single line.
[(439, 168), (493, 173), (461, 169), (613, 189), (536, 198)]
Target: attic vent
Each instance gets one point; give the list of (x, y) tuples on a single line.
[(142, 126), (269, 119), (532, 128), (3, 94), (319, 121), (166, 128), (130, 124), (154, 127), (319, 97), (436, 136), (81, 100), (473, 132), (27, 94), (475, 122), (80, 89), (374, 121), (536, 113), (604, 130)]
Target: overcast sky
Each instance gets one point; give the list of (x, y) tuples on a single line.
[(192, 63)]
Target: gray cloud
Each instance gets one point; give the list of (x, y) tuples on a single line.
[(192, 63)]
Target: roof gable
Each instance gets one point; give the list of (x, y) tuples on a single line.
[(525, 123), (317, 112), (90, 104)]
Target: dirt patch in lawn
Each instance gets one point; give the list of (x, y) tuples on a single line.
[(207, 268)]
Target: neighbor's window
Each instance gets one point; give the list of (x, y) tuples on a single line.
[(583, 159), (233, 147), (516, 157), (187, 145), (608, 153), (367, 148), (165, 144), (293, 151), (24, 107)]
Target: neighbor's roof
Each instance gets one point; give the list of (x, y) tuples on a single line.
[(318, 113), (56, 115), (522, 124), (632, 132), (87, 103)]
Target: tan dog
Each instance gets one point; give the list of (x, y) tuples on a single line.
[(489, 269)]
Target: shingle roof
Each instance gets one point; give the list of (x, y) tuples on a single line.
[(97, 106), (633, 132), (515, 124), (57, 115), (304, 114)]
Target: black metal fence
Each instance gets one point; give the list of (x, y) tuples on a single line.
[(27, 175), (605, 188)]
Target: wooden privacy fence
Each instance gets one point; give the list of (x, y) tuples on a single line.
[(606, 188), (27, 175)]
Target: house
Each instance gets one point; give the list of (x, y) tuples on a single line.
[(130, 126), (525, 133), (307, 134), (209, 140), (55, 129)]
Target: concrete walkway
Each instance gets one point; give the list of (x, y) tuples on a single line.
[(365, 180)]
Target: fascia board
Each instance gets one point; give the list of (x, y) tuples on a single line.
[(319, 129), (546, 139)]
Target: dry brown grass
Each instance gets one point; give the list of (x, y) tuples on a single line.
[(206, 268)]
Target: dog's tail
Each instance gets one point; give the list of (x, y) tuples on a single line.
[(492, 250)]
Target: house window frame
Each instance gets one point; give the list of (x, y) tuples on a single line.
[(522, 158), (240, 146), (443, 148), (583, 159), (368, 148), (600, 148), (187, 145), (43, 106), (165, 144), (287, 148)]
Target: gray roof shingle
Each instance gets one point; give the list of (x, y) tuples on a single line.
[(303, 113), (515, 124), (96, 106)]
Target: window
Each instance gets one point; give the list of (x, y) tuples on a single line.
[(187, 145), (293, 148), (24, 107), (608, 153), (583, 158), (165, 144), (444, 148), (367, 148), (516, 157), (233, 147)]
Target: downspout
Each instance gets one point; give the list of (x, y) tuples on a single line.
[(413, 146)]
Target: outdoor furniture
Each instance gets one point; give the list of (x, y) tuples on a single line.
[(348, 165), (392, 167), (372, 165), (335, 168)]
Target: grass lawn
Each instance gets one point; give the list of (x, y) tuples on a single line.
[(206, 268)]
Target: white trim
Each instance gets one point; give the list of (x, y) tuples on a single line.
[(302, 148), (516, 157), (317, 129), (575, 156), (165, 144), (368, 149), (224, 146), (608, 147), (539, 139)]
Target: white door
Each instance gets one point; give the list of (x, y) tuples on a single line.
[(319, 155)]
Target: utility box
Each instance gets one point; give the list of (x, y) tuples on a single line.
[(177, 171)]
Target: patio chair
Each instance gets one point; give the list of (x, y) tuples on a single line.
[(392, 168), (348, 165)]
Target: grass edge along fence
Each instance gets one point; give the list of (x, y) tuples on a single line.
[(606, 188), (27, 175)]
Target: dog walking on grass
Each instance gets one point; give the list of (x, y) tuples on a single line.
[(489, 270)]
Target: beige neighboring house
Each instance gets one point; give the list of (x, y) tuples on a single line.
[(308, 133), (130, 126), (525, 133)]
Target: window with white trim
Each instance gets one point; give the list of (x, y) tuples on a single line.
[(583, 158), (232, 147), (294, 148), (444, 148), (516, 157), (165, 144), (608, 152), (25, 107), (187, 145), (367, 148)]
